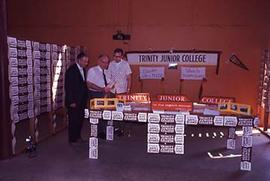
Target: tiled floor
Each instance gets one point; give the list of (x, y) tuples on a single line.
[(126, 159)]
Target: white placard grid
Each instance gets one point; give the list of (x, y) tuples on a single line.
[(165, 132), (21, 79), (42, 77)]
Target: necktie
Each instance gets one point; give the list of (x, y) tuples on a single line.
[(104, 77)]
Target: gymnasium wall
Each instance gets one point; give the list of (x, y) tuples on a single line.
[(232, 27)]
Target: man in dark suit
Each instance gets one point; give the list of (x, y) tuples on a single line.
[(76, 96)]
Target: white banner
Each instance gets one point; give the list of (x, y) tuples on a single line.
[(152, 72), (167, 58), (192, 73)]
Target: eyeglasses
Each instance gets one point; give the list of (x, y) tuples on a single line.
[(117, 56)]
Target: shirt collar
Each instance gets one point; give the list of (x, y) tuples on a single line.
[(80, 68), (99, 68), (119, 61)]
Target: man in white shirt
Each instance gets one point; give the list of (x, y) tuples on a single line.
[(120, 72), (98, 80), (100, 85)]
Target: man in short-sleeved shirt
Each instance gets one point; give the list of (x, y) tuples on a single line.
[(98, 84), (120, 73), (98, 81)]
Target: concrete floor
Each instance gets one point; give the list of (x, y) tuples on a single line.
[(125, 159)]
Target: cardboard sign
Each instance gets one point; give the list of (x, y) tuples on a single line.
[(153, 138), (172, 98), (231, 133), (93, 120), (172, 106), (136, 97), (231, 144), (11, 41), (130, 116), (179, 128), (192, 73), (167, 128), (179, 139), (152, 72), (166, 138), (117, 116), (142, 117), (180, 119), (192, 119), (216, 100), (218, 120), (206, 120), (93, 142), (109, 133), (179, 149), (247, 141), (166, 148), (107, 115), (245, 121), (230, 121), (247, 131), (246, 154), (153, 118), (167, 118), (93, 130), (245, 165), (153, 128), (153, 148), (93, 153)]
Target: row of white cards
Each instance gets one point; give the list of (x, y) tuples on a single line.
[(228, 121), (162, 148)]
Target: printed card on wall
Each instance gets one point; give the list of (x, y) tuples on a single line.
[(192, 73), (152, 72)]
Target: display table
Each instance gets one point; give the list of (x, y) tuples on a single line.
[(166, 132)]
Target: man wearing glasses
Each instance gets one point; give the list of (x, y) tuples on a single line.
[(99, 85), (120, 73)]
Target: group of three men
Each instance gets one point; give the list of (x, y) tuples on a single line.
[(103, 80)]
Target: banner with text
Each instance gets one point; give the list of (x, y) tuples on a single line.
[(182, 58)]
